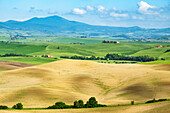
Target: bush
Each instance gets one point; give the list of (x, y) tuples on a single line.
[(3, 107), (18, 106), (132, 102)]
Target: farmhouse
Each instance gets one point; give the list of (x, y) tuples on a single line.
[(117, 42), (159, 46), (50, 56), (77, 43)]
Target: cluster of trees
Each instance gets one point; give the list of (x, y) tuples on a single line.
[(83, 57), (104, 41), (13, 54), (154, 100), (6, 42), (3, 107), (59, 105), (167, 51), (145, 58), (17, 106), (91, 103), (114, 57)]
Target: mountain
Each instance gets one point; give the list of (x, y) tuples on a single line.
[(57, 24)]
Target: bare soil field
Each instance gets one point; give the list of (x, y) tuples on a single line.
[(7, 65)]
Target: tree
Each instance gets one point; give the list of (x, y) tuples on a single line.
[(18, 106), (14, 107), (81, 103), (91, 103), (60, 105), (76, 104), (104, 41), (132, 102), (3, 107)]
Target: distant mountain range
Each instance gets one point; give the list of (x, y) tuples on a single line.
[(56, 24)]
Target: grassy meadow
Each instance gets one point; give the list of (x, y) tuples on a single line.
[(97, 49), (29, 60)]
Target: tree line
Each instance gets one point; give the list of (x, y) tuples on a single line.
[(108, 56), (104, 41), (13, 54), (167, 51), (91, 103)]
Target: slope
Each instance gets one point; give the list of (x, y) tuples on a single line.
[(69, 80)]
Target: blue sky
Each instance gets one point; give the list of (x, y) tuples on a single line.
[(124, 13)]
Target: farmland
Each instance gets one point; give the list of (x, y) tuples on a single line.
[(57, 79), (60, 81), (96, 49)]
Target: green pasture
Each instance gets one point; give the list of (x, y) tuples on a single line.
[(97, 49), (29, 60)]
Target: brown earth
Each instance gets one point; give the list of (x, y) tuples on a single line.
[(7, 65)]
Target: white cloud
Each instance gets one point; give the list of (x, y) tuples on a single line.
[(118, 14), (145, 8), (134, 17), (100, 8), (79, 11), (137, 18), (89, 8), (52, 12), (114, 9)]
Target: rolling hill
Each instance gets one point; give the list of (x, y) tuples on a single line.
[(69, 80)]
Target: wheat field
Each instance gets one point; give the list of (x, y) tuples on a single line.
[(70, 80)]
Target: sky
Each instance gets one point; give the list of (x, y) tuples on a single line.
[(122, 13)]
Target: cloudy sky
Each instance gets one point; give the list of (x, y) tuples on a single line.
[(124, 13)]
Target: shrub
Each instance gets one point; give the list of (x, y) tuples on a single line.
[(132, 102), (3, 107)]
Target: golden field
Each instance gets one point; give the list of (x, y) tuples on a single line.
[(70, 80)]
